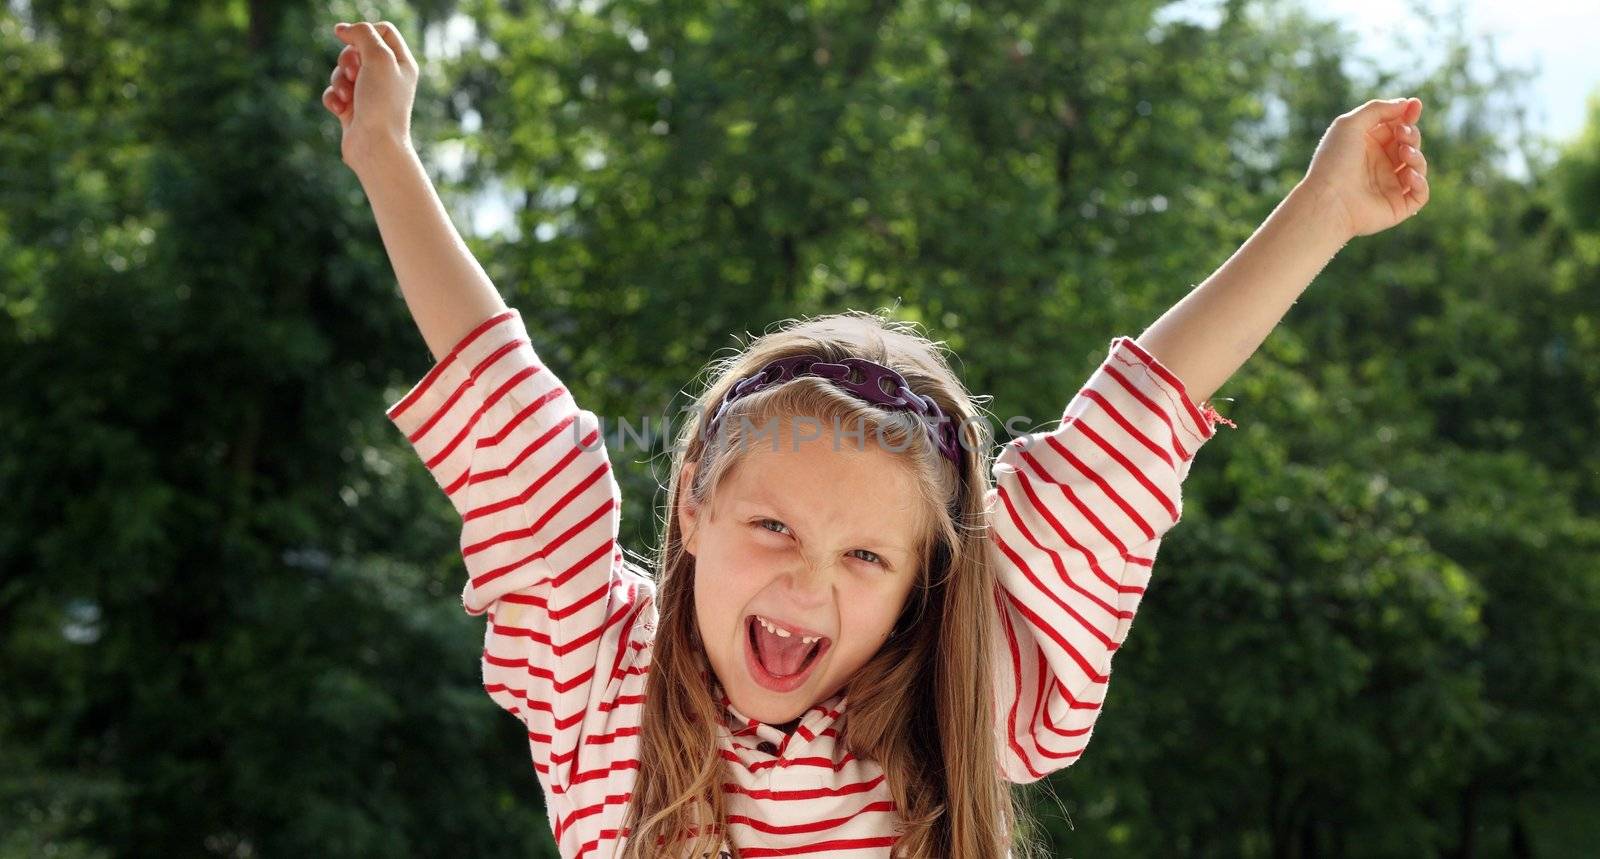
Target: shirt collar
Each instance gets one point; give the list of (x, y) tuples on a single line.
[(819, 718)]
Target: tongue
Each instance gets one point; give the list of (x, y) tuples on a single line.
[(779, 655)]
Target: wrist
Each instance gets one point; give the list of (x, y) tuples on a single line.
[(1320, 203), (377, 160)]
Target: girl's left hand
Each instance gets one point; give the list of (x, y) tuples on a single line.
[(1370, 162)]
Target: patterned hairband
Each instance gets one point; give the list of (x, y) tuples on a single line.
[(871, 382)]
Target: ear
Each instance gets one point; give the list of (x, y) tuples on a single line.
[(688, 509)]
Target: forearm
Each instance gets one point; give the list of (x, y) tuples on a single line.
[(1208, 335), (446, 290)]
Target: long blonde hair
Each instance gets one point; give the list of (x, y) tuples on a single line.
[(941, 763)]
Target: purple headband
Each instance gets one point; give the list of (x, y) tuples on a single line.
[(873, 383)]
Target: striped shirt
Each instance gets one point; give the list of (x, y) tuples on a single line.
[(1076, 514)]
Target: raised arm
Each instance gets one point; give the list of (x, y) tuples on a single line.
[(525, 467), (371, 92), (1367, 175), (1078, 512)]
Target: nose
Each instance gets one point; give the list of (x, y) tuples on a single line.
[(809, 584)]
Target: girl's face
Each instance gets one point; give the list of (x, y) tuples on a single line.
[(820, 539)]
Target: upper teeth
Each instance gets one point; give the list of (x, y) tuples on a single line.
[(784, 633)]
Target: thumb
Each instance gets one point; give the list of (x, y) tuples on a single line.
[(365, 39), (1387, 110)]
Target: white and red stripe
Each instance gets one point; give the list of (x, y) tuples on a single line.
[(1077, 514)]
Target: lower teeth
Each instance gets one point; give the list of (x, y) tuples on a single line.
[(804, 663)]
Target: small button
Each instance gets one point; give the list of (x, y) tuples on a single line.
[(768, 747)]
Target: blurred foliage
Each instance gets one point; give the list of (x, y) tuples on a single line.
[(229, 617)]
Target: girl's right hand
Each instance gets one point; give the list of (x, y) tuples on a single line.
[(371, 91)]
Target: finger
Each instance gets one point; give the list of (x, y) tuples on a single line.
[(1415, 159), (1417, 187), (1400, 183), (1402, 173), (350, 61), (1399, 132), (341, 85), (1396, 148), (1400, 179), (1414, 111), (391, 37), (1384, 110), (337, 106), (365, 39)]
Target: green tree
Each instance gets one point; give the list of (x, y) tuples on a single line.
[(229, 620), (226, 623)]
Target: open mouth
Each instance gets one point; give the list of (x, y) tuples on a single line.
[(780, 662)]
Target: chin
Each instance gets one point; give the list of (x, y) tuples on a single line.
[(764, 709), (765, 705)]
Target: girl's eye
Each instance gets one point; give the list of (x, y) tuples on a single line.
[(870, 557)]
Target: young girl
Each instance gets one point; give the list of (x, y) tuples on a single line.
[(853, 643)]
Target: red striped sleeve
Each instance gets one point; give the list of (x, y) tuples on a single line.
[(1076, 516), (528, 472)]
